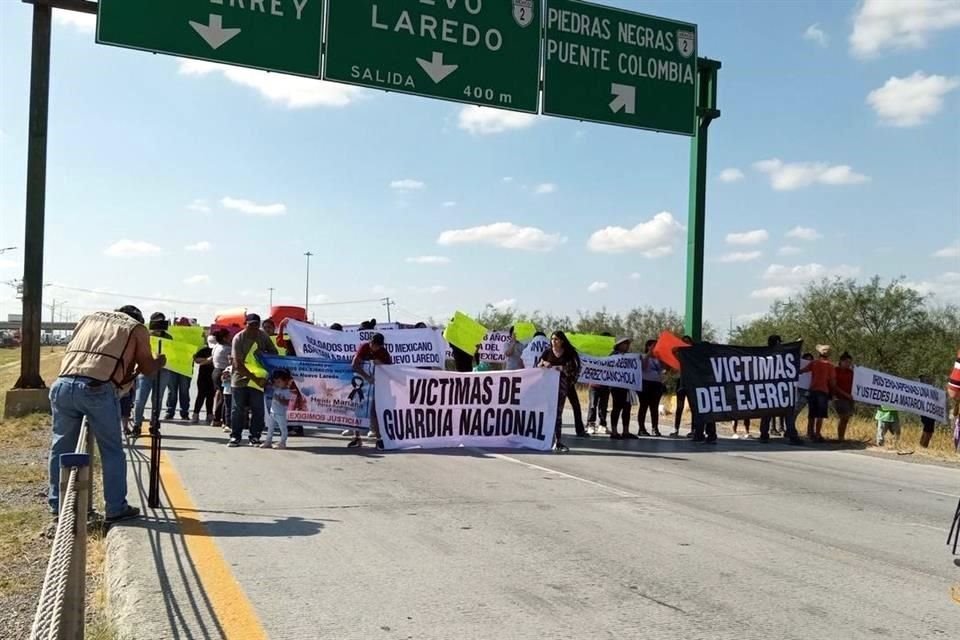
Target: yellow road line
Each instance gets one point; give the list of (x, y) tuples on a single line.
[(230, 604)]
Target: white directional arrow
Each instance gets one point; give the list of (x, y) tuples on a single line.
[(435, 67), (625, 98), (214, 33)]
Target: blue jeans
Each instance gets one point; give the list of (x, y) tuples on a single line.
[(178, 385), (246, 399), (72, 399), (277, 417), (144, 392)]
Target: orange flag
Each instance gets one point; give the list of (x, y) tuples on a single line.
[(663, 350)]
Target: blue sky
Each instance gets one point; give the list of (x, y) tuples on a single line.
[(838, 153)]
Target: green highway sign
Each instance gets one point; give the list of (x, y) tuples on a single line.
[(484, 52), (618, 67), (274, 35)]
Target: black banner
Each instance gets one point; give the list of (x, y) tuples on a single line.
[(726, 382)]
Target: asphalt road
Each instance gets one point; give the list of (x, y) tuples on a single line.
[(649, 539)]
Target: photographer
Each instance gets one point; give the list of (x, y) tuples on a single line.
[(107, 351)]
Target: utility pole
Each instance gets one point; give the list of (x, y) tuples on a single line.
[(271, 297), (388, 303), (707, 112), (306, 299), (36, 200)]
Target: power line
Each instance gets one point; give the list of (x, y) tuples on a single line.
[(113, 294)]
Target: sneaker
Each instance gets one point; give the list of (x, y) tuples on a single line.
[(233, 443), (689, 434), (630, 436), (128, 513), (195, 419), (356, 443), (372, 436), (254, 442), (615, 436), (583, 434), (281, 445), (561, 448), (265, 445), (184, 416), (217, 423), (347, 432), (380, 446), (227, 429)]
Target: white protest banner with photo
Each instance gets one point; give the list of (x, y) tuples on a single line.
[(414, 347), (324, 391), (443, 409), (621, 371), (878, 388), (532, 352)]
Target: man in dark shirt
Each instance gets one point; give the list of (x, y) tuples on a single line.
[(374, 351), (205, 388)]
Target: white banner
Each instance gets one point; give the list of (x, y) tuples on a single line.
[(494, 346), (533, 351), (876, 387), (442, 409), (413, 347), (622, 371)]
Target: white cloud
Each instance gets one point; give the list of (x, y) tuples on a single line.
[(429, 260), (252, 208), (504, 304), (731, 175), (795, 175), (900, 24), (911, 101), (770, 293), (407, 184), (654, 238), (803, 233), (741, 256), (199, 279), (487, 121), (203, 245), (817, 35), (131, 249), (946, 286), (636, 276), (82, 22), (508, 179), (757, 236), (199, 206), (449, 203), (505, 235), (788, 250), (435, 289), (597, 287), (291, 92), (952, 251), (545, 188), (805, 273)]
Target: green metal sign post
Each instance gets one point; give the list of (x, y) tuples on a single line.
[(707, 112), (274, 35), (618, 67), (474, 51)]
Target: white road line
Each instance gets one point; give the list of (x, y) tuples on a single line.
[(925, 526), (940, 493), (613, 490)]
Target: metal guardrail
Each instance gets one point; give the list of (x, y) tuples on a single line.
[(61, 609)]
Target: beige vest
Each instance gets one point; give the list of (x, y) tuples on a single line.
[(98, 347)]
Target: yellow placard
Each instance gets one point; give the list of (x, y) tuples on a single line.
[(253, 366), (464, 332), (523, 331), (592, 345), (189, 335), (179, 355)]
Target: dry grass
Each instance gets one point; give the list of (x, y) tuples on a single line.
[(24, 523)]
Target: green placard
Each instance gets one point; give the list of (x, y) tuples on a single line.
[(618, 67), (484, 52), (275, 35)]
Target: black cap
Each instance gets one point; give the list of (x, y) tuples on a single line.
[(157, 317), (252, 318), (377, 339), (132, 311)]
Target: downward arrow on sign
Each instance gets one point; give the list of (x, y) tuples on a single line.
[(435, 67), (625, 98), (214, 33)]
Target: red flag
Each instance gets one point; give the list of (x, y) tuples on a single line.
[(663, 350)]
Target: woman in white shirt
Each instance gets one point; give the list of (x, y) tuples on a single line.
[(652, 390), (221, 360)]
